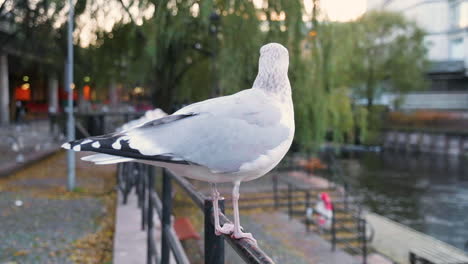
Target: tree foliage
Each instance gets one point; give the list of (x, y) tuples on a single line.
[(190, 50), (389, 55), (36, 29)]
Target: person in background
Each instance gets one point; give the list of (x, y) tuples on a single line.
[(324, 209)]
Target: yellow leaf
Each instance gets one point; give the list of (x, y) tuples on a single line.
[(20, 253)]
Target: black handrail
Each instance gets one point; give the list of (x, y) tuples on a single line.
[(214, 245)]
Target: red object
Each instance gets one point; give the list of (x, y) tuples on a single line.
[(37, 107), (326, 200), (184, 229), (63, 95), (87, 92), (22, 94)]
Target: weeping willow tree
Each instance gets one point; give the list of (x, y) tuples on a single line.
[(322, 92), (191, 50)]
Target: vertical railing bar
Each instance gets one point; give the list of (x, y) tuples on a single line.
[(275, 190), (364, 241), (125, 176), (149, 221), (214, 245), (307, 207), (144, 203), (289, 200), (333, 228), (166, 217)]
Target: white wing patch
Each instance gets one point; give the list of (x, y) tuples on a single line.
[(143, 144), (117, 145), (86, 141), (102, 159)]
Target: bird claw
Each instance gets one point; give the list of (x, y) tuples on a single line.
[(241, 235), (226, 229)]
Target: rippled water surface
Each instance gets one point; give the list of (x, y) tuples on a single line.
[(426, 192)]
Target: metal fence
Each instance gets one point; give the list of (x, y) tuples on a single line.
[(141, 177), (346, 204)]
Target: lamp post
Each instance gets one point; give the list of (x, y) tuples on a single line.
[(70, 120), (213, 30)]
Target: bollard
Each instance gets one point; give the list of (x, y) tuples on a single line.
[(214, 245)]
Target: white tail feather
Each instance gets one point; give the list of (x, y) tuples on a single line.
[(114, 161), (102, 159)]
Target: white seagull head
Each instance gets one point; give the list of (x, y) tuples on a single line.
[(274, 56), (273, 69)]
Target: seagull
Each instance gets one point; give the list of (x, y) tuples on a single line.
[(228, 139)]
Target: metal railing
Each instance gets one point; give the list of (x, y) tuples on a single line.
[(142, 178), (348, 207)]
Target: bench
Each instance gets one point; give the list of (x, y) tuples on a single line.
[(435, 256)]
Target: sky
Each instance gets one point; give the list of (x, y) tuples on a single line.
[(342, 10), (107, 12), (336, 10)]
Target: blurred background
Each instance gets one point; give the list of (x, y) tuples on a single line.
[(380, 90)]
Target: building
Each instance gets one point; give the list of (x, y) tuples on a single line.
[(446, 24)]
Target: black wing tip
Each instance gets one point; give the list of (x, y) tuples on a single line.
[(104, 145), (82, 144)]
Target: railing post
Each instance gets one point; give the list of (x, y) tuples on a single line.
[(166, 216), (143, 178), (149, 220), (364, 240), (214, 245), (289, 200), (307, 211), (275, 190), (346, 195), (412, 258), (333, 227), (125, 177)]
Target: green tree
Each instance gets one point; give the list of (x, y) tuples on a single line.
[(182, 57), (388, 55)]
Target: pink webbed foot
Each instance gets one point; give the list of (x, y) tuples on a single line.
[(240, 235), (226, 229)]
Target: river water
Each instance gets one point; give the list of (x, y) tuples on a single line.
[(426, 192)]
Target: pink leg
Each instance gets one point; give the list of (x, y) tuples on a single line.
[(227, 228), (237, 227)]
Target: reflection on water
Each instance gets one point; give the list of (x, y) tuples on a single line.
[(426, 192)]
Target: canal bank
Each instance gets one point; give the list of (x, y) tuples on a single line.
[(398, 241), (426, 141), (428, 193)]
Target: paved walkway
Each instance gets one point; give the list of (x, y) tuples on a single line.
[(26, 143), (129, 240), (41, 222), (286, 241)]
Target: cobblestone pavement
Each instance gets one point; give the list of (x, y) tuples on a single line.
[(41, 222), (41, 230), (18, 142)]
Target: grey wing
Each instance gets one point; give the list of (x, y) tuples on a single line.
[(221, 134), (219, 143)]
